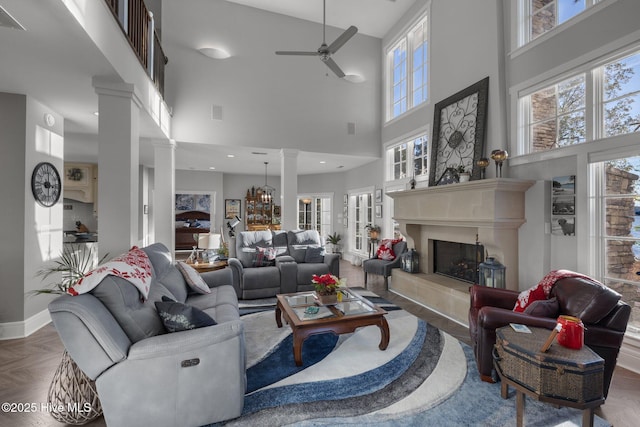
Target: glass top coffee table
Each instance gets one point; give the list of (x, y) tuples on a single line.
[(307, 317)]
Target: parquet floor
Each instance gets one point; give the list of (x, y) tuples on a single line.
[(28, 365)]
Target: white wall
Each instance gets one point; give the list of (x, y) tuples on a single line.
[(268, 100)]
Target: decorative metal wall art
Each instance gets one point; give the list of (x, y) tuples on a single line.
[(459, 124)]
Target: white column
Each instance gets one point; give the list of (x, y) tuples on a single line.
[(289, 186), (164, 189), (118, 160)]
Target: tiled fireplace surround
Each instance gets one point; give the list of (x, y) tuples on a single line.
[(489, 210)]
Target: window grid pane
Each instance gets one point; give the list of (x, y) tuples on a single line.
[(419, 74), (557, 115), (620, 233)]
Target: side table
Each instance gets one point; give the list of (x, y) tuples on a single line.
[(561, 376), (203, 267)]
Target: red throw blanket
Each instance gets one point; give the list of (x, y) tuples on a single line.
[(133, 266), (543, 288)]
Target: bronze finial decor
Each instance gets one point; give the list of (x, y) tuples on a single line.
[(499, 156), (482, 164)]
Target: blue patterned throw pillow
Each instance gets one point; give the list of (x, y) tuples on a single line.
[(177, 316)]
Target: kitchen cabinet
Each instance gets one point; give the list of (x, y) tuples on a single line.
[(81, 182)]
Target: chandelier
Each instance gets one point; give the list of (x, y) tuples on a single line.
[(268, 192)]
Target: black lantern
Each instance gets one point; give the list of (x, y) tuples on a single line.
[(411, 261), (492, 274)]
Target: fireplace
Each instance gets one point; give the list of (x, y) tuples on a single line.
[(488, 211), (459, 261)]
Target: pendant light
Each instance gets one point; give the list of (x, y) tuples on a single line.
[(268, 192)]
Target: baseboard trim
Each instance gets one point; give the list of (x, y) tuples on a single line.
[(629, 357), (22, 329)]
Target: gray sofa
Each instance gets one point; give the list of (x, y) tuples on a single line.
[(144, 375), (298, 254)]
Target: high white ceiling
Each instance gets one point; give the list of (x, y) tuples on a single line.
[(53, 60), (372, 17)]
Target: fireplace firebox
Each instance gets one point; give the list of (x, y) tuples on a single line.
[(457, 260)]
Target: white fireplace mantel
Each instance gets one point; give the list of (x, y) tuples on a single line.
[(489, 211)]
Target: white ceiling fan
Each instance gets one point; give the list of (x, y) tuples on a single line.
[(324, 51)]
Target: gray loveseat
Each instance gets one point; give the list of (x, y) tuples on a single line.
[(144, 375), (298, 255)]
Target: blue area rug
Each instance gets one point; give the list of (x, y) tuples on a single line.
[(424, 378)]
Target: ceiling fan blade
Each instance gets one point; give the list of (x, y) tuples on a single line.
[(344, 37), (334, 67), (293, 52)]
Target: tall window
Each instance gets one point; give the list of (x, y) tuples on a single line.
[(314, 213), (617, 201), (408, 73), (401, 157), (559, 115), (542, 16)]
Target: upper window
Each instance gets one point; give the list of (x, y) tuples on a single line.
[(542, 16), (558, 115), (408, 69), (621, 83), (401, 156)]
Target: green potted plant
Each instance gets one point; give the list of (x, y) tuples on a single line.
[(334, 241), (74, 263)]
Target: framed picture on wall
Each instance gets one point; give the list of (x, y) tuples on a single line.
[(232, 208), (378, 211), (379, 195)]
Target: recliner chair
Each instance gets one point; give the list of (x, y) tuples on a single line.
[(605, 318)]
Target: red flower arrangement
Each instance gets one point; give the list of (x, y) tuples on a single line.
[(326, 284)]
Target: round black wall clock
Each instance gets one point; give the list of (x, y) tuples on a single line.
[(46, 184)]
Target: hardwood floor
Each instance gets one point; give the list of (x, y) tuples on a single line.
[(28, 365)]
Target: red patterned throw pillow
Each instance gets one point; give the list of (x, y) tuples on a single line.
[(543, 288), (385, 250)]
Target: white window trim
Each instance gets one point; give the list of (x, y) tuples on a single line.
[(424, 12), (519, 14)]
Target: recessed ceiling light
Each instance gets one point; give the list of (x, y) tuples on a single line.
[(212, 167), (230, 156), (322, 162), (96, 113), (214, 52)]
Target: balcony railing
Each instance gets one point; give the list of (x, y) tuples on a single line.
[(138, 26)]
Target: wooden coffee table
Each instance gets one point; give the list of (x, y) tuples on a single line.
[(345, 317)]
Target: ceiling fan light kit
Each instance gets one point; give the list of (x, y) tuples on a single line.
[(325, 51), (214, 52)]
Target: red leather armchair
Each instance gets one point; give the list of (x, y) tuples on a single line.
[(605, 318)]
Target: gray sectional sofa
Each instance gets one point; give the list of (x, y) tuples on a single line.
[(298, 255), (144, 375)]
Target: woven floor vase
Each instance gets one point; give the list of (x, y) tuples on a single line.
[(72, 395)]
